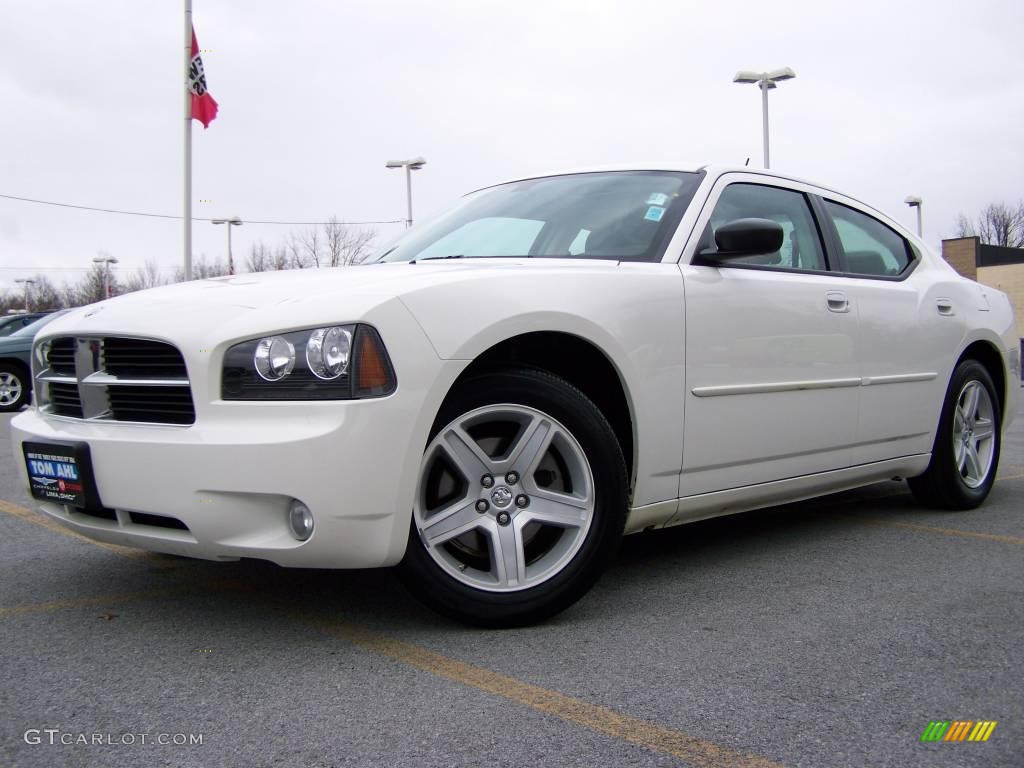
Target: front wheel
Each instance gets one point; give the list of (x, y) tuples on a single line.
[(521, 500), (966, 451), (14, 387)]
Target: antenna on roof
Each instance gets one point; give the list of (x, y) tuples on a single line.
[(746, 163)]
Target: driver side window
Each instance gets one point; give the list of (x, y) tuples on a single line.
[(801, 243)]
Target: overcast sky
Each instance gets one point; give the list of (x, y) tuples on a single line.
[(891, 99)]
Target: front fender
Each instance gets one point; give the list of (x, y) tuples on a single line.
[(633, 313)]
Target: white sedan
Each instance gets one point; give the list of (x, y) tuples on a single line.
[(495, 401)]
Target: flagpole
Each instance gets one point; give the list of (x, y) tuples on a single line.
[(188, 141)]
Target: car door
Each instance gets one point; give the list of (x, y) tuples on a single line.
[(905, 332), (771, 371)]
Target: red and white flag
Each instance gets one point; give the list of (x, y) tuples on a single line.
[(204, 108)]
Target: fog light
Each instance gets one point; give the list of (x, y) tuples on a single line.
[(300, 520)]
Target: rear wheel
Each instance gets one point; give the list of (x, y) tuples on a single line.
[(521, 500), (966, 451), (14, 387)]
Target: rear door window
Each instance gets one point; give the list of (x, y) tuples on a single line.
[(870, 247)]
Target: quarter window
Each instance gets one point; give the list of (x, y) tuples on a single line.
[(870, 247), (801, 243)]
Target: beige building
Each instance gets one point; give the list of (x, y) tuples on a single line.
[(1002, 268)]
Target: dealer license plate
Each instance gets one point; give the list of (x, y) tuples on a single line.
[(61, 473)]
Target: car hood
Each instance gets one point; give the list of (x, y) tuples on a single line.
[(18, 344), (242, 305)]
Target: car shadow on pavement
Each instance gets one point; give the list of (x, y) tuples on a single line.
[(648, 564)]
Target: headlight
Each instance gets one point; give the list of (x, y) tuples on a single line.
[(274, 358), (327, 351), (341, 362)]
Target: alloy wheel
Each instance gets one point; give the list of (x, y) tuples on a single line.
[(973, 433), (10, 389), (506, 498)]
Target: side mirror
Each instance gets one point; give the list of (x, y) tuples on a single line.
[(744, 237)]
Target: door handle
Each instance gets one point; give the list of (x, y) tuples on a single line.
[(945, 306), (837, 301)]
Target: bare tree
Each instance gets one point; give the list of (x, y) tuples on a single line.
[(146, 276), (259, 258), (202, 269), (346, 246), (45, 295), (997, 224), (310, 243), (91, 287), (335, 245), (11, 301)]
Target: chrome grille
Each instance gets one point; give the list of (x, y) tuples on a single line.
[(142, 358), (62, 356), (169, 405), (112, 378), (64, 400)]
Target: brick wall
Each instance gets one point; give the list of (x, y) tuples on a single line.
[(962, 255), (1008, 278)]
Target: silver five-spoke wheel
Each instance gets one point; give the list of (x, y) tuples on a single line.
[(521, 499), (965, 453), (14, 390), (10, 389), (506, 498), (974, 434)]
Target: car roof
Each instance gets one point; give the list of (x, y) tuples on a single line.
[(670, 165)]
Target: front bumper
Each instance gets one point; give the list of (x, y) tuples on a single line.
[(230, 477)]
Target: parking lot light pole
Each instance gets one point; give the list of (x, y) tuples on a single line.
[(234, 221), (765, 81), (915, 202), (27, 281), (410, 165), (106, 261)]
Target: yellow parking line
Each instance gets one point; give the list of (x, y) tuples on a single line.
[(198, 586), (943, 531), (698, 752), (38, 518)]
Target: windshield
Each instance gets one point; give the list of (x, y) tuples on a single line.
[(30, 329), (621, 215)]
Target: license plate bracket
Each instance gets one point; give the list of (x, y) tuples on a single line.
[(61, 472)]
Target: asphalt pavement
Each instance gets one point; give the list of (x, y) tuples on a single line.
[(826, 633)]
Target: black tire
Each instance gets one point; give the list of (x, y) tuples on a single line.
[(557, 399), (943, 486), (13, 376)]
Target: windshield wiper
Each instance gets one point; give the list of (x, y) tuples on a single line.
[(434, 258), (464, 256)]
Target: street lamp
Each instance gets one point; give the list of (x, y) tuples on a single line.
[(234, 221), (765, 81), (915, 202), (410, 165), (106, 261), (27, 281)]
